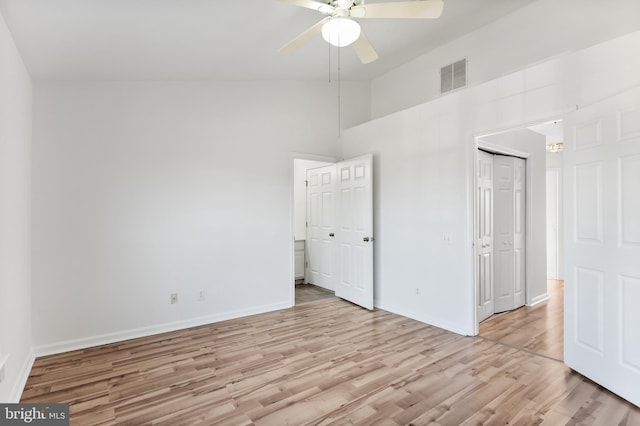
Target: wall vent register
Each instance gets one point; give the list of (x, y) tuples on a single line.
[(453, 76)]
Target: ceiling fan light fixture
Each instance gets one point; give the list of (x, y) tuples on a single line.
[(341, 31)]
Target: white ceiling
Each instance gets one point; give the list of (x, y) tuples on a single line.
[(214, 39)]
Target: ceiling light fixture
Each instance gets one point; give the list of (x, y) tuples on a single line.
[(555, 147), (340, 31)]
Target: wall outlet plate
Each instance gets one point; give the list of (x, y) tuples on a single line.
[(173, 298)]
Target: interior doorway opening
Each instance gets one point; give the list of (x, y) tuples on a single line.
[(529, 143), (304, 289), (338, 227)]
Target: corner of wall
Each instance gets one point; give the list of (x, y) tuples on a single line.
[(23, 376), (15, 222)]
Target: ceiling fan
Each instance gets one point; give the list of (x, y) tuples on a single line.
[(339, 27)]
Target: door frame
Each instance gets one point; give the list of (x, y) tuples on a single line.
[(497, 149), (293, 156)]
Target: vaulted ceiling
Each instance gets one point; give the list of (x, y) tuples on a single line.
[(215, 39)]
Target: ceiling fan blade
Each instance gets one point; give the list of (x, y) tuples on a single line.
[(311, 4), (303, 38), (365, 50), (418, 9)]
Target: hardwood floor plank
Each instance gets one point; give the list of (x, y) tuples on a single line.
[(539, 328), (306, 293), (322, 363)]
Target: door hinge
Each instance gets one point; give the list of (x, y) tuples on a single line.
[(306, 183), (306, 264), (306, 224)]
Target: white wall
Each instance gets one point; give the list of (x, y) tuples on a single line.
[(423, 173), (15, 217), (554, 161), (525, 37), (533, 144), (300, 167), (144, 189)]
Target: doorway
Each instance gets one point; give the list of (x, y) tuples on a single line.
[(530, 145), (338, 227), (553, 132), (306, 288)]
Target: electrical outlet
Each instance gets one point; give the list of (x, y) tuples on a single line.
[(417, 291), (174, 298), (202, 296)]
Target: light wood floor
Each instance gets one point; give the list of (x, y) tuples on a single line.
[(539, 329), (306, 293), (321, 363)]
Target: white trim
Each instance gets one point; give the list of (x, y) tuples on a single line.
[(21, 381), (104, 339), (539, 299)]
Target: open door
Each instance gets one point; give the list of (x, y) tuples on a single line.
[(602, 243), (321, 190), (354, 233)]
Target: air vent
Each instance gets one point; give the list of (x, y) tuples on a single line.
[(453, 76)]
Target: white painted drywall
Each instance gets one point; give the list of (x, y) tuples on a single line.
[(529, 35), (533, 144), (15, 217), (423, 173), (300, 167), (554, 161), (142, 189)]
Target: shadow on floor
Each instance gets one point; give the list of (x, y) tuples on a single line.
[(306, 293)]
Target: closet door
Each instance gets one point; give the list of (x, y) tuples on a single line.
[(484, 238), (509, 253), (519, 180)]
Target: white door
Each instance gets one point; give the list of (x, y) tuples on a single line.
[(519, 231), (484, 238), (509, 232), (321, 185), (602, 243), (354, 231)]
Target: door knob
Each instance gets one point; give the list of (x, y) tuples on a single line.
[(332, 235), (365, 239)]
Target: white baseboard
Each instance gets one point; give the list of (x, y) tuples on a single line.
[(539, 299), (21, 381), (104, 339)]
